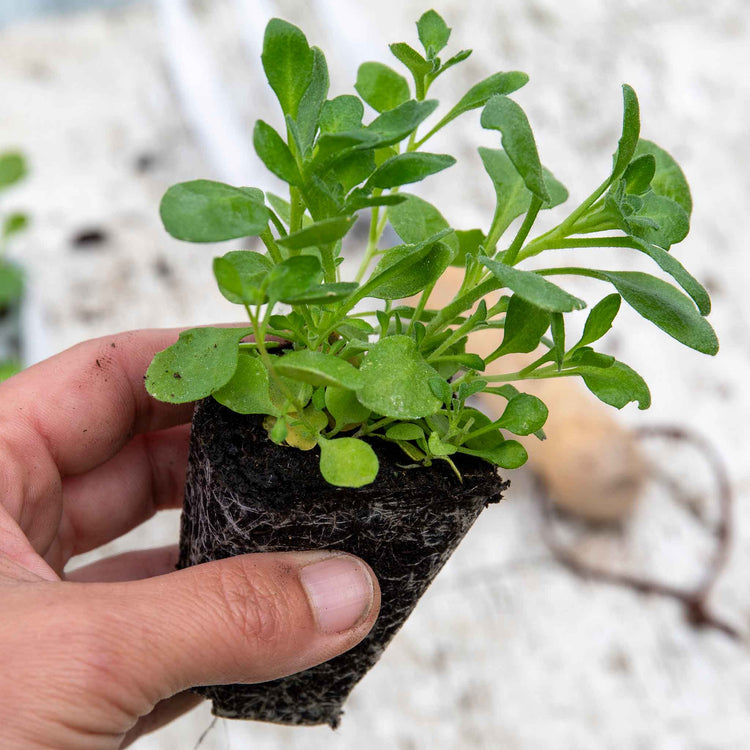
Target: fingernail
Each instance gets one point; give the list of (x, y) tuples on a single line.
[(340, 591)]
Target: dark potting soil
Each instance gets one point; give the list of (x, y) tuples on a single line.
[(246, 494)]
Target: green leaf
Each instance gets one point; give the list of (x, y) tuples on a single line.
[(199, 363), (415, 220), (248, 391), (631, 126), (12, 168), (405, 431), (319, 369), (599, 320), (513, 197), (638, 175), (309, 111), (320, 233), (438, 447), (11, 283), (617, 385), (470, 242), (237, 285), (396, 124), (294, 276), (440, 389), (479, 94), (459, 57), (325, 293), (510, 454), (396, 380), (417, 65), (206, 211), (666, 307), (525, 324), (358, 199), (14, 223), (380, 86), (417, 276), (288, 63), (433, 33), (532, 287), (341, 114), (347, 462), (403, 169), (343, 406), (467, 360), (679, 273), (503, 114), (586, 356), (523, 415), (668, 179), (275, 154)]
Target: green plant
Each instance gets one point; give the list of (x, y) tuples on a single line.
[(327, 373), (12, 170)]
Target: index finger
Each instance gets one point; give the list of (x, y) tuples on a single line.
[(88, 401)]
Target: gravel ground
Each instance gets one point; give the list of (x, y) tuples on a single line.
[(507, 650)]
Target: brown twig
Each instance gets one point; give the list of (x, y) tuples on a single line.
[(694, 599)]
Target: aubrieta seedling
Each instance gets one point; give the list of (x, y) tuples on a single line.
[(12, 170), (326, 373)]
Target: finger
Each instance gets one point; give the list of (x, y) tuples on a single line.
[(84, 404), (165, 712), (245, 619), (146, 476), (129, 566)]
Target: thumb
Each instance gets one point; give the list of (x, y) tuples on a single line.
[(244, 619)]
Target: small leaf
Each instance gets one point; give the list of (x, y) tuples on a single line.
[(415, 220), (341, 114), (523, 415), (275, 154), (668, 179), (513, 197), (12, 168), (617, 385), (311, 103), (631, 126), (380, 86), (467, 360), (248, 391), (416, 277), (638, 175), (407, 168), (469, 243), (510, 454), (405, 431), (532, 287), (666, 307), (417, 65), (587, 357), (320, 233), (324, 293), (358, 199), (343, 406), (396, 380), (206, 211), (438, 447), (14, 223), (288, 63), (433, 33), (293, 276), (600, 319), (347, 462), (479, 94), (525, 324), (240, 275), (319, 369), (503, 114), (199, 363), (396, 124), (441, 389)]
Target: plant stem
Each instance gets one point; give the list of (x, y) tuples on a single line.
[(510, 255), (273, 249)]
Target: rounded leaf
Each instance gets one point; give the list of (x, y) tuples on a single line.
[(347, 462)]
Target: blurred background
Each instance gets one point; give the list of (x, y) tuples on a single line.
[(113, 101)]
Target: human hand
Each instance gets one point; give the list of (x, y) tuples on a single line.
[(96, 658)]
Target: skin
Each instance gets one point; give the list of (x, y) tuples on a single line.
[(97, 657)]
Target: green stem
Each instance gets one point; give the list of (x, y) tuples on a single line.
[(273, 249), (510, 255), (553, 243), (462, 302)]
